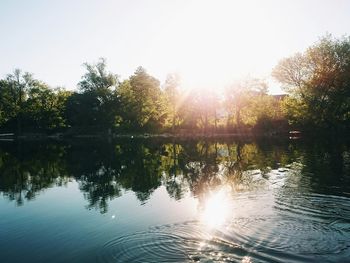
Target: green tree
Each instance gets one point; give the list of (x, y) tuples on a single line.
[(98, 95), (98, 79), (189, 111), (13, 91), (172, 99), (27, 103), (8, 102), (128, 106), (142, 100), (45, 107), (318, 81)]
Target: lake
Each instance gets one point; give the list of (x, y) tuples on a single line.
[(158, 200)]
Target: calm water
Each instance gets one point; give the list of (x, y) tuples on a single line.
[(182, 201)]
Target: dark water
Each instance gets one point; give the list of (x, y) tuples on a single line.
[(182, 201)]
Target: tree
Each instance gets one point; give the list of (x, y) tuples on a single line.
[(143, 104), (189, 111), (8, 102), (171, 86), (98, 94), (318, 81), (207, 104), (97, 79), (28, 103), (242, 100), (45, 107), (14, 89)]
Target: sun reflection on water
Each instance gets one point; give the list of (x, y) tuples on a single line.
[(215, 210), (247, 259)]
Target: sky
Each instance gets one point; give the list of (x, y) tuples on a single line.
[(210, 44)]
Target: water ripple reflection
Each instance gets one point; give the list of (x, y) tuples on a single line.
[(185, 242), (262, 239), (304, 228)]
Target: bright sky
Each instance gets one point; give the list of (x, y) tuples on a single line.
[(209, 43)]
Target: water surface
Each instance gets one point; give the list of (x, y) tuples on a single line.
[(175, 201)]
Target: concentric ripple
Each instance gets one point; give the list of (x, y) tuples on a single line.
[(281, 223), (293, 239), (245, 240), (187, 242)]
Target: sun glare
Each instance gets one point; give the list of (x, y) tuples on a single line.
[(217, 47), (216, 210)]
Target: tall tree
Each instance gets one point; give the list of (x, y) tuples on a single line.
[(318, 81), (100, 89), (142, 98), (15, 87), (171, 89), (8, 102)]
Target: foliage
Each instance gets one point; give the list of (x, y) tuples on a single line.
[(45, 107), (137, 104), (142, 101), (98, 97), (318, 81), (247, 102), (28, 102), (172, 100), (97, 79)]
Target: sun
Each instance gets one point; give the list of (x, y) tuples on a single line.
[(212, 43)]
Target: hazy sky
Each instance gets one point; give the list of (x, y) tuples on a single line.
[(209, 43)]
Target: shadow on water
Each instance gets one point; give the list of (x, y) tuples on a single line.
[(280, 201)]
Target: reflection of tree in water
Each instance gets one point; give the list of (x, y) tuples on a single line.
[(104, 170), (140, 170), (91, 165), (204, 169), (205, 166), (25, 172), (173, 178), (327, 164)]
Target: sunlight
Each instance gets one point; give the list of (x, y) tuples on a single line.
[(216, 209), (246, 259), (217, 47)]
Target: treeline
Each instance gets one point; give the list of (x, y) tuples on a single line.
[(137, 104), (317, 82)]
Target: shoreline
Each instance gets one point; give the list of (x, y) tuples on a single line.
[(105, 136)]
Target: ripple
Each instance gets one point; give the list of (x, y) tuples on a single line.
[(187, 242), (317, 206), (260, 239), (304, 227), (308, 227)]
